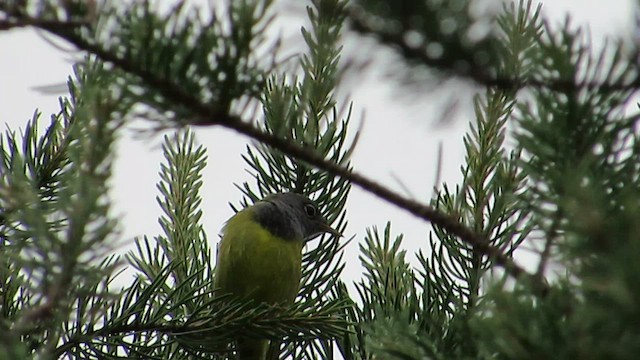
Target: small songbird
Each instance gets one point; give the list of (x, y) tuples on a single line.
[(260, 254)]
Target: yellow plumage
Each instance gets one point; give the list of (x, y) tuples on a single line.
[(260, 255), (254, 263)]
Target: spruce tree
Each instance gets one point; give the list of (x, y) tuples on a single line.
[(551, 166)]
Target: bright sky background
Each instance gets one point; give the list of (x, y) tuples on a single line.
[(399, 139)]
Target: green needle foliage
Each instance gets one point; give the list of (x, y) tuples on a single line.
[(551, 170), (56, 232), (302, 110)]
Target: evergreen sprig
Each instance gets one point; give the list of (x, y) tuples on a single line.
[(580, 157), (304, 112), (57, 233), (432, 34), (431, 311)]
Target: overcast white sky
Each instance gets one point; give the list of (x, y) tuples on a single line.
[(409, 151)]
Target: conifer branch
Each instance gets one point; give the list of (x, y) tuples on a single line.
[(478, 75), (208, 115), (481, 75)]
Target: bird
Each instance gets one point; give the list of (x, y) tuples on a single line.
[(260, 255)]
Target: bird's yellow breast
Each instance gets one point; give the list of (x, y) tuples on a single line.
[(253, 263)]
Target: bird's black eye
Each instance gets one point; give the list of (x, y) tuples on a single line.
[(310, 210)]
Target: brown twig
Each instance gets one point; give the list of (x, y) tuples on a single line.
[(550, 240), (41, 23)]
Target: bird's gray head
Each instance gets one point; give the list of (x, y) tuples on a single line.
[(291, 216)]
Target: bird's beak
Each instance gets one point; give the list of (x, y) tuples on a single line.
[(329, 230)]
